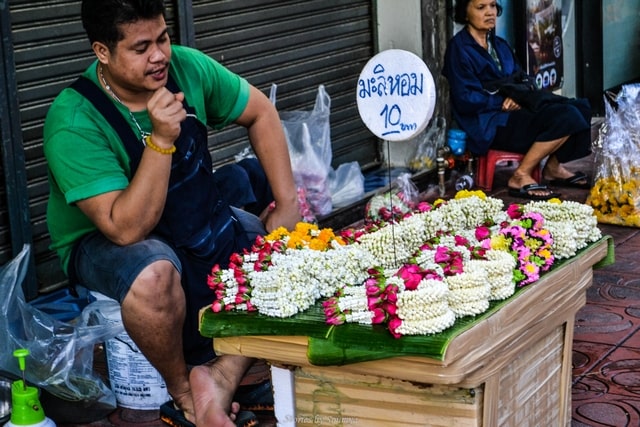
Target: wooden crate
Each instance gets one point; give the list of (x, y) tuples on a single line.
[(527, 391), (511, 369), (332, 397)]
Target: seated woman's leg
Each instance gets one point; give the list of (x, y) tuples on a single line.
[(523, 175), (560, 132)]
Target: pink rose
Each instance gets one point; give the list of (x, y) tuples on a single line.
[(216, 306), (379, 316), (482, 233), (390, 308), (514, 211), (411, 274), (394, 324)]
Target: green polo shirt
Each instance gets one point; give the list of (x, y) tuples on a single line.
[(86, 157)]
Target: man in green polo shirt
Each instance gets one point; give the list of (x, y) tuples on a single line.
[(132, 211)]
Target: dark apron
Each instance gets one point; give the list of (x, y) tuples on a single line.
[(196, 221)]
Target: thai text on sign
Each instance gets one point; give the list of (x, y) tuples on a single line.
[(396, 95)]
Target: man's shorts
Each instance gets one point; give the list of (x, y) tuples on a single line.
[(102, 266)]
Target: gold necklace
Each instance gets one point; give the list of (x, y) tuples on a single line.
[(143, 134)]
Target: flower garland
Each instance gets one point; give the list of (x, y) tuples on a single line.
[(424, 310), (529, 242), (499, 267), (615, 198), (415, 274), (572, 224), (305, 235)]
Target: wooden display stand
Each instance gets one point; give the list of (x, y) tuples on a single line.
[(511, 369)]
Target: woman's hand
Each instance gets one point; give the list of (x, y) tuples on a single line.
[(510, 105)]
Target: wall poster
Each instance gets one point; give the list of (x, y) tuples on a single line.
[(544, 42)]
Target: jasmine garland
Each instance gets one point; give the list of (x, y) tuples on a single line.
[(414, 272)]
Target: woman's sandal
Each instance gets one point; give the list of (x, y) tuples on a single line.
[(533, 192), (578, 180)]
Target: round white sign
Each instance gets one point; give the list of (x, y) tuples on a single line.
[(396, 95)]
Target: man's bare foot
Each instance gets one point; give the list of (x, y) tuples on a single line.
[(212, 394), (184, 402)]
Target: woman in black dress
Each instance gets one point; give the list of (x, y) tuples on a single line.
[(476, 62)]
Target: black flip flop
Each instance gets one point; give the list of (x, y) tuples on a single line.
[(526, 192), (256, 398), (578, 180), (171, 415)]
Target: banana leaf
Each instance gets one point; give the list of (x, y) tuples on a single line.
[(237, 323), (351, 342), (337, 345)]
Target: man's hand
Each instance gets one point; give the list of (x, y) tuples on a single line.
[(166, 113), (285, 216)]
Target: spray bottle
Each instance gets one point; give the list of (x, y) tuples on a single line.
[(26, 409)]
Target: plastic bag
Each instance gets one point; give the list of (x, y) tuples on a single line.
[(308, 136), (427, 144), (305, 209), (61, 354), (393, 203), (615, 194), (347, 184)]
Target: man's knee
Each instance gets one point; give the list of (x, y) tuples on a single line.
[(158, 283)]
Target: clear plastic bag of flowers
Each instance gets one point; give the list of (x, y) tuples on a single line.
[(615, 194), (394, 202), (427, 144)]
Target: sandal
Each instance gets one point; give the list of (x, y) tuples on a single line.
[(578, 180), (171, 415), (528, 192), (255, 397)]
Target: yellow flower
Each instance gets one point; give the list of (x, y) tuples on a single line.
[(630, 186), (295, 242), (532, 244), (614, 198), (325, 235), (305, 227), (545, 253), (463, 194), (500, 243), (317, 245), (305, 235), (277, 234)]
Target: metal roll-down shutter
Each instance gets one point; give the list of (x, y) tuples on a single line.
[(297, 44)]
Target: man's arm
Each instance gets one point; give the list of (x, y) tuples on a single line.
[(262, 121), (128, 216)]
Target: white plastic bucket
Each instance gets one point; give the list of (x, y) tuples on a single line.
[(134, 381)]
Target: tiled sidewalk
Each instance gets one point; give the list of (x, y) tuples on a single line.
[(606, 352), (606, 346)]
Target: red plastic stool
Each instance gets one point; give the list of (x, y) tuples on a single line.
[(486, 167)]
